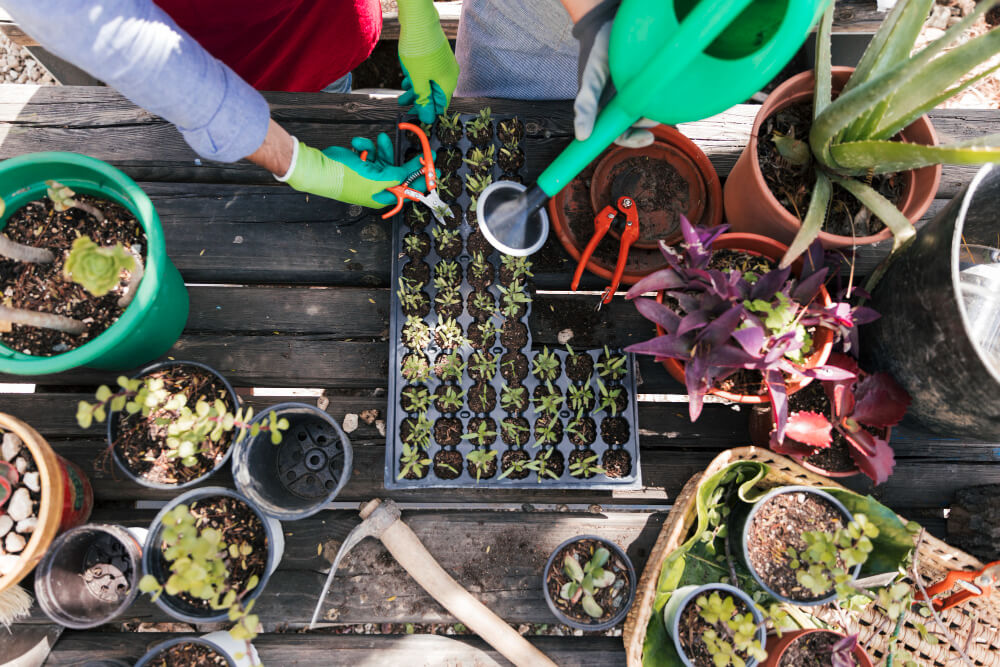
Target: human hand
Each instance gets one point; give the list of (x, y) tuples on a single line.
[(430, 69), (594, 34), (340, 173)]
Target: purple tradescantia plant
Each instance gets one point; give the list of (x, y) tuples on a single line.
[(727, 321)]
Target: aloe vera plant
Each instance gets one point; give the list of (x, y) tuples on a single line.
[(851, 137)]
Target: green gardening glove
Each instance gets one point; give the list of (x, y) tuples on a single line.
[(429, 66), (341, 174)]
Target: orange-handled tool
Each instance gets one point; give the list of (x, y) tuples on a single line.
[(973, 584), (404, 192), (602, 223)]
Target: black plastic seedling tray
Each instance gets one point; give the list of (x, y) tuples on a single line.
[(463, 477)]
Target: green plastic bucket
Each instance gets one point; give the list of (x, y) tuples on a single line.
[(155, 318)]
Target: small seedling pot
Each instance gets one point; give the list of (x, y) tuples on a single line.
[(686, 595), (220, 642), (90, 575), (571, 622), (742, 522), (66, 497), (153, 562), (302, 474), (778, 646), (112, 423), (154, 320), (822, 341)]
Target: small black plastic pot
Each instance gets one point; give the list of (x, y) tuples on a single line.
[(153, 653), (686, 595), (742, 520), (89, 575), (155, 564), (113, 427), (927, 336), (302, 474), (571, 622)]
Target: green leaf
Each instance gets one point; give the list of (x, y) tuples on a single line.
[(572, 568), (886, 211), (149, 584), (600, 557), (591, 607), (894, 541), (823, 91), (95, 268), (792, 150), (103, 393), (819, 203), (84, 416), (886, 157), (893, 42)]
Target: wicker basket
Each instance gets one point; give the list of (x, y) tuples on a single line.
[(979, 617)]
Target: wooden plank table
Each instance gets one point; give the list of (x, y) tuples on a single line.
[(290, 291)]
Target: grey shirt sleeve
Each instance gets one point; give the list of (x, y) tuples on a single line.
[(135, 47)]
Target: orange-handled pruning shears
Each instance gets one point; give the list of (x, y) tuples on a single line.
[(403, 191), (602, 223), (973, 584)]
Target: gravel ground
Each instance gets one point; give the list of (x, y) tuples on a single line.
[(17, 66)]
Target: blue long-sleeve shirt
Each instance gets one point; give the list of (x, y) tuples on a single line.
[(135, 47)]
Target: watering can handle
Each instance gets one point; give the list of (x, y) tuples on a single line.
[(698, 30)]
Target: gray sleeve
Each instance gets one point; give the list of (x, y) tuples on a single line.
[(135, 47)]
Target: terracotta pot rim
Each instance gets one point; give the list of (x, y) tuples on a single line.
[(780, 99), (787, 638), (824, 336)]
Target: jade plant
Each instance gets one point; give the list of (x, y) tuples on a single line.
[(187, 427), (721, 322), (198, 567), (480, 460), (586, 579), (851, 137), (731, 633), (858, 406)]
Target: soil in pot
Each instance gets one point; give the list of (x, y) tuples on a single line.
[(510, 159), (448, 464), (477, 243), (582, 433), (513, 367), (610, 598), (476, 338), (542, 391), (692, 627), (615, 430), (188, 655), (450, 188), (42, 287), (779, 524), (813, 649), (238, 524), (417, 271), (656, 186), (448, 159), (513, 334), (617, 463), (511, 456), (141, 443), (792, 186), (448, 431), (579, 367)]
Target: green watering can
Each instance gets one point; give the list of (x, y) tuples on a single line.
[(672, 61)]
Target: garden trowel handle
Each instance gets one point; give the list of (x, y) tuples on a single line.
[(407, 549)]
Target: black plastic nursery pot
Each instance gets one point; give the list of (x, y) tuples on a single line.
[(113, 431), (155, 564), (629, 598), (686, 595), (743, 520), (153, 653), (299, 476), (940, 312), (89, 575)]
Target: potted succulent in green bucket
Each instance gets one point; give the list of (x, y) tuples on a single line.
[(120, 303), (831, 168)]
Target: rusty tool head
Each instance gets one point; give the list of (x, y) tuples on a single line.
[(377, 515)]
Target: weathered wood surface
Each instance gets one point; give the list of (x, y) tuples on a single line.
[(974, 521), (297, 650)]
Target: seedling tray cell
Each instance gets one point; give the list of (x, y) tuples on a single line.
[(630, 476)]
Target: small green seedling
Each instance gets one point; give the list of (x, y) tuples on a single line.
[(483, 301), (586, 467), (481, 159), (420, 435), (451, 368), (484, 364), (487, 331), (608, 397), (63, 199), (416, 333), (586, 579), (829, 558), (549, 403), (781, 318), (448, 297), (449, 334), (415, 399), (483, 435), (444, 236), (544, 467), (451, 400), (480, 460), (547, 434), (546, 365), (512, 399), (415, 368), (514, 299), (514, 430), (482, 121), (414, 461), (581, 396), (519, 466), (448, 271), (520, 267), (451, 123), (612, 366), (413, 244), (479, 267), (476, 183), (411, 295)]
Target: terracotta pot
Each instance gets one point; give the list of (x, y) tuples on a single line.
[(750, 206), (776, 647), (822, 341), (66, 498), (592, 191)]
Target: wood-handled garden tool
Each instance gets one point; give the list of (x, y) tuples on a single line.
[(630, 234), (672, 61), (403, 191), (973, 584), (381, 519)]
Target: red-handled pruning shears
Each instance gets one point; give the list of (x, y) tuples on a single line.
[(973, 584), (403, 191), (602, 223)]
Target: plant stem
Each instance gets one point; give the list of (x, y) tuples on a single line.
[(133, 281), (43, 320), (24, 253), (89, 208)]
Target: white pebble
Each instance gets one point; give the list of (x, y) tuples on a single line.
[(32, 481), (21, 464), (350, 422), (11, 446), (380, 425), (564, 336), (14, 543), (19, 506), (26, 526), (8, 563), (6, 523)]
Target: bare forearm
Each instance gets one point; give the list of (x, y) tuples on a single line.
[(275, 154), (578, 8)]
